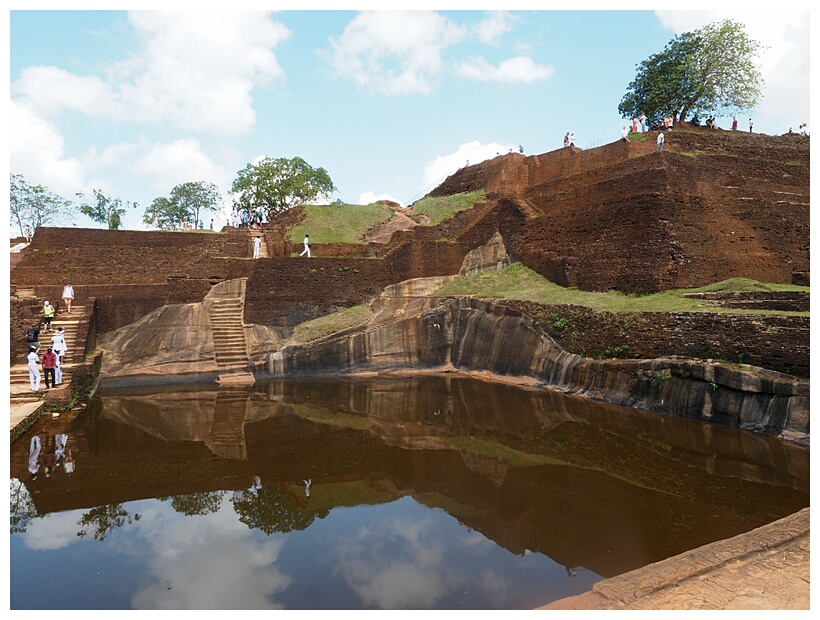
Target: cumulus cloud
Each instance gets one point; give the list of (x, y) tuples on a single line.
[(36, 150), (171, 163), (470, 153), (195, 70), (394, 52), (490, 29), (520, 69)]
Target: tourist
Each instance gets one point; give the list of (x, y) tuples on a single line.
[(58, 343), (625, 134), (33, 371), (660, 141), (33, 336), (28, 233), (734, 124), (572, 139), (521, 148), (307, 247), (634, 125), (307, 482), (60, 443), (212, 223), (48, 314), (34, 448), (257, 243), (49, 462), (566, 140), (642, 120), (49, 362), (58, 370), (751, 125), (68, 296)]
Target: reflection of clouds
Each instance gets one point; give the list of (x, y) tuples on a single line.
[(396, 563), (206, 562), (55, 531)]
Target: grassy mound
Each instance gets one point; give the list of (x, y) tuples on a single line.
[(440, 208), (339, 223), (330, 324)]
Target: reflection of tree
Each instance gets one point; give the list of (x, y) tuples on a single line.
[(273, 509), (103, 520), (21, 510), (197, 504)]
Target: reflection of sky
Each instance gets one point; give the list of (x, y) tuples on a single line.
[(392, 556)]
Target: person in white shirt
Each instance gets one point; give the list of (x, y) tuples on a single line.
[(33, 370), (307, 247)]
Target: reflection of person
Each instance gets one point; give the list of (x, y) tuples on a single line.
[(60, 441), (257, 484), (68, 463), (307, 486), (34, 456), (68, 296), (50, 462)]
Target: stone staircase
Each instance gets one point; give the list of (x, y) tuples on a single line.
[(229, 340), (19, 385), (227, 436), (263, 249)]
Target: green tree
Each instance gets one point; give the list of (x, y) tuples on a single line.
[(709, 70), (274, 509), (99, 522), (186, 201), (277, 185), (108, 211), (35, 204), (197, 504)]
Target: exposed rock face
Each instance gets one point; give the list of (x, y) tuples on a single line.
[(482, 336), (491, 256)]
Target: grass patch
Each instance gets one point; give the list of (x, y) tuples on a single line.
[(440, 208), (339, 223), (330, 323), (520, 282)]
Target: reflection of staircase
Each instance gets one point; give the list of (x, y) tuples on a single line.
[(229, 340), (227, 436)]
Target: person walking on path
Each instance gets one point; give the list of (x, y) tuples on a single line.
[(58, 342), (49, 363), (68, 295), (660, 141), (33, 337), (48, 314), (257, 243), (307, 247), (33, 371)]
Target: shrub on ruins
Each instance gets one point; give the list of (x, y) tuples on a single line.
[(35, 204), (105, 210), (277, 185), (186, 202), (711, 70)]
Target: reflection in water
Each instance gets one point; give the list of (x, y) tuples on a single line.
[(415, 492)]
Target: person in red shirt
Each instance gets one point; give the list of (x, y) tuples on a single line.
[(49, 363)]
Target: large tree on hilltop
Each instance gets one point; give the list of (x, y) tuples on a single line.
[(186, 201), (711, 70), (106, 210), (35, 204), (277, 185)]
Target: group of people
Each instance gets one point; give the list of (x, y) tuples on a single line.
[(52, 359), (569, 139), (250, 219), (55, 455)]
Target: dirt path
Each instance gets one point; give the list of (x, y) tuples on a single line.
[(381, 233)]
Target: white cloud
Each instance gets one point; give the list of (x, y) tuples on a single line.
[(37, 152), (180, 161), (394, 52), (515, 70), (369, 197), (490, 29), (57, 531), (470, 153), (194, 69)]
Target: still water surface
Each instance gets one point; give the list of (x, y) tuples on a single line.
[(430, 492)]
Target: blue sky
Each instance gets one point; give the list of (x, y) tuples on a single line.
[(388, 103)]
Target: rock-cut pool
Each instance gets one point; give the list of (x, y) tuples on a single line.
[(423, 492)]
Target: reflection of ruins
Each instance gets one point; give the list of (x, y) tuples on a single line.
[(603, 487)]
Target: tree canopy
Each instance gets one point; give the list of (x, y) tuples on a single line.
[(711, 70), (186, 201), (277, 185), (35, 204), (106, 210)]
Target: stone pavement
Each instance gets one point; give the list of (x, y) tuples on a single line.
[(20, 411), (767, 568)]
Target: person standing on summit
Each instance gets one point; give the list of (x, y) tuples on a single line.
[(307, 247)]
